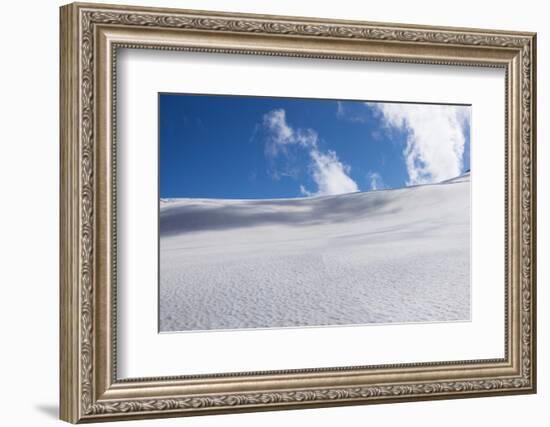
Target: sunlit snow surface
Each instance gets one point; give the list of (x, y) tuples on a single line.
[(390, 256)]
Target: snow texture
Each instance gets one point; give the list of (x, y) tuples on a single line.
[(389, 256)]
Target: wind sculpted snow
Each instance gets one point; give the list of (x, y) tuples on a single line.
[(391, 256)]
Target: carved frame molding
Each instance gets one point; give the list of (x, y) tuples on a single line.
[(90, 35)]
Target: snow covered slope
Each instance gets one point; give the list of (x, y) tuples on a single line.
[(382, 256)]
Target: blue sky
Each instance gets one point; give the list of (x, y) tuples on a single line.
[(239, 147)]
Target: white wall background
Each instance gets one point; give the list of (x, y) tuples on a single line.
[(29, 170)]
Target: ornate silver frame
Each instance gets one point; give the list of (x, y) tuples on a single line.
[(90, 36)]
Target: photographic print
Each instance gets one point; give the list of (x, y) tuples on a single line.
[(286, 212)]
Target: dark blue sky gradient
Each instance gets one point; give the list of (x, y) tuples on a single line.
[(214, 146)]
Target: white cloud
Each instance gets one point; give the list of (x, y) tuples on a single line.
[(330, 175), (304, 191), (376, 182), (281, 134), (347, 114), (435, 141), (339, 109), (276, 121)]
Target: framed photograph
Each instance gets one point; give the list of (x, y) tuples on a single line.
[(266, 212)]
